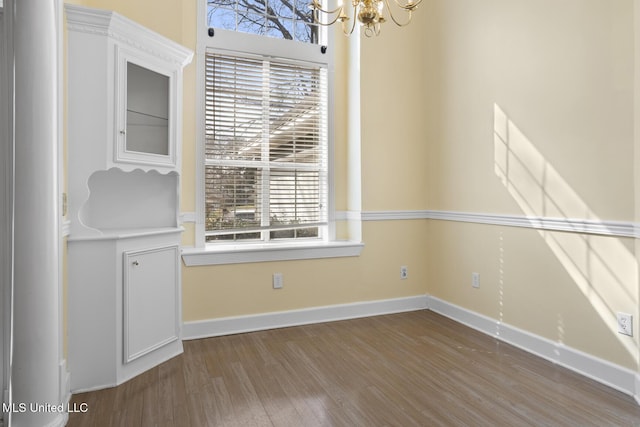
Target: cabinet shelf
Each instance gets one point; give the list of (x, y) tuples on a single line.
[(127, 233), (127, 200)]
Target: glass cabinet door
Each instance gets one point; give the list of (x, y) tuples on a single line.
[(147, 111), (145, 114)]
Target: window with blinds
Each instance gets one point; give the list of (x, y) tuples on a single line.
[(265, 149)]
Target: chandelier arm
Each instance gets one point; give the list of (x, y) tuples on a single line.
[(353, 24), (316, 6), (326, 24), (410, 6), (339, 16), (393, 18), (328, 12)]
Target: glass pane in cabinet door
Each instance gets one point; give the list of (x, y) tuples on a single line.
[(147, 111)]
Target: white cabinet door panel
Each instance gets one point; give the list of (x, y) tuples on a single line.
[(150, 300)]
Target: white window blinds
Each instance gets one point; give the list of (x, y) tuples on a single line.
[(265, 149)]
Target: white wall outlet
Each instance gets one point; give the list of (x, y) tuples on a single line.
[(404, 272), (277, 281), (475, 280), (625, 324)]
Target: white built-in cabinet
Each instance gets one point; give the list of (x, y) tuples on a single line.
[(124, 130)]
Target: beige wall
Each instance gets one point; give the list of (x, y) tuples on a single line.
[(532, 106), (562, 72), (561, 286), (211, 292), (393, 94), (440, 101)]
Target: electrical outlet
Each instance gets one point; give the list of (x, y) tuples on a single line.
[(625, 324), (404, 272), (475, 280), (278, 281)]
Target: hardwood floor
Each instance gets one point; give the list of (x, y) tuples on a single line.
[(409, 369)]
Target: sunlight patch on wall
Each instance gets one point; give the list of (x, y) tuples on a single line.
[(602, 267)]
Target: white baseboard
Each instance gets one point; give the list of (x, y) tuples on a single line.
[(612, 375), (283, 319)]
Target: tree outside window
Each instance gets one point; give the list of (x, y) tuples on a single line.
[(284, 19)]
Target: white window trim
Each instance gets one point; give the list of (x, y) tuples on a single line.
[(225, 253), (263, 252)]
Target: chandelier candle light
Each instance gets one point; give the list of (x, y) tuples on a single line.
[(369, 13)]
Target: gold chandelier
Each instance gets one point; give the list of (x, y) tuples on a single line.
[(370, 13)]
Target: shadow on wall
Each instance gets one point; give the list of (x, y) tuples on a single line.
[(602, 267)]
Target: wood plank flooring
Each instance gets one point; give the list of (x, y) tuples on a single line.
[(409, 369)]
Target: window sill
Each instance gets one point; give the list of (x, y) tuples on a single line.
[(238, 254)]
